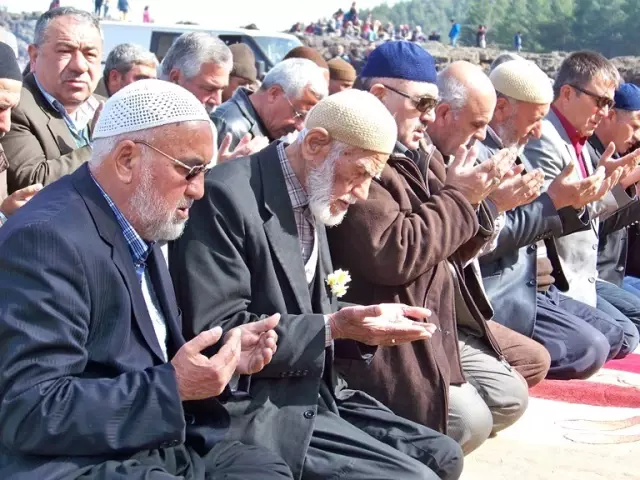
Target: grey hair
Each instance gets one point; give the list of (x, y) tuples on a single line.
[(102, 147), (452, 92), (125, 56), (45, 19), (581, 67), (191, 50), (294, 75), (503, 58)]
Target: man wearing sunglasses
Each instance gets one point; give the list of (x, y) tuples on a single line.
[(408, 242), (583, 96)]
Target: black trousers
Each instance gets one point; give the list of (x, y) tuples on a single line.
[(227, 460), (367, 441)]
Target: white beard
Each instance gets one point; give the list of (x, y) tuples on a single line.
[(320, 187)]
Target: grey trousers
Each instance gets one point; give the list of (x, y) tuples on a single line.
[(494, 397)]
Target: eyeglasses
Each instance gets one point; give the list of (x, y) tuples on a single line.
[(296, 113), (192, 172), (423, 104), (602, 101)]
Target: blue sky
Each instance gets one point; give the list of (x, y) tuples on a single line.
[(266, 14)]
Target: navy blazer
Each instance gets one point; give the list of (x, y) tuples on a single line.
[(82, 379)]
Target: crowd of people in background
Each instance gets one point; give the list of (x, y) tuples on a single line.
[(473, 224)]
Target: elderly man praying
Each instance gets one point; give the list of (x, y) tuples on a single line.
[(256, 245), (98, 382)]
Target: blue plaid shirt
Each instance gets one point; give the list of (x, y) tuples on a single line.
[(79, 128), (138, 248)]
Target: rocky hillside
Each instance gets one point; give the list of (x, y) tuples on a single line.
[(22, 26)]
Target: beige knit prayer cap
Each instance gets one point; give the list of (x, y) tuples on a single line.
[(522, 80), (357, 118)]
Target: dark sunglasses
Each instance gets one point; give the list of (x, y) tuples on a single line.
[(601, 100), (423, 104), (192, 172)]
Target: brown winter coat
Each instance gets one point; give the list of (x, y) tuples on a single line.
[(400, 246)]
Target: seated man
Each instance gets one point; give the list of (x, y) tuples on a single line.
[(517, 273), (98, 381), (279, 107), (409, 243), (53, 122), (125, 64), (581, 101), (256, 245)]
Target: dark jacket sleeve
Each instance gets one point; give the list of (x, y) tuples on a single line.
[(402, 244), (215, 284), (47, 404), (28, 163), (231, 122), (621, 219)]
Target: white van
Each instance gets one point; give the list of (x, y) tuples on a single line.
[(269, 48)]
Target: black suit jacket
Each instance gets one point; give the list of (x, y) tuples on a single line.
[(239, 260), (83, 380), (509, 271)]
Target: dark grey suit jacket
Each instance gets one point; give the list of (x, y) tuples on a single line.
[(82, 376), (239, 260), (238, 117), (509, 271)]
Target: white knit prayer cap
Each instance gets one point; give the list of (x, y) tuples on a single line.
[(522, 80), (147, 104), (357, 118)]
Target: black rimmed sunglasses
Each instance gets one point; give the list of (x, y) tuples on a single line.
[(601, 100), (192, 172)]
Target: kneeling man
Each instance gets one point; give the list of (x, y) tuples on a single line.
[(256, 245), (97, 379)]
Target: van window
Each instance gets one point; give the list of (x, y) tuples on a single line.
[(275, 48), (161, 42)]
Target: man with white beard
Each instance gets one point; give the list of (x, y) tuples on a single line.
[(88, 306), (517, 273), (256, 245)]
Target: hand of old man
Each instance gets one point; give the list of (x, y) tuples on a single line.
[(246, 146), (258, 344), (386, 324), (476, 182), (516, 189)]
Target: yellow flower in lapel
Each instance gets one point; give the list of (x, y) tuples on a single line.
[(337, 282)]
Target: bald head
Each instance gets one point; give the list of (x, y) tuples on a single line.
[(468, 100)]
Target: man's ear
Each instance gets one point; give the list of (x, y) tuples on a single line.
[(274, 93), (502, 110), (32, 50), (378, 90), (174, 76), (125, 157), (316, 145)]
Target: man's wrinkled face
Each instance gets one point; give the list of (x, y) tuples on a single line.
[(626, 129), (118, 81), (584, 109), (336, 86), (466, 125), (412, 122), (207, 85), (338, 177), (287, 115), (9, 98), (234, 84), (67, 64), (163, 195), (521, 122)]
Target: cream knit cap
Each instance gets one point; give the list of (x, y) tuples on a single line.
[(357, 118), (522, 80)]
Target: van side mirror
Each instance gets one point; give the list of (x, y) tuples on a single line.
[(260, 66)]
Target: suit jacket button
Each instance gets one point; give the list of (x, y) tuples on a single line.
[(531, 283), (531, 249), (619, 268), (592, 280), (309, 414), (595, 247)]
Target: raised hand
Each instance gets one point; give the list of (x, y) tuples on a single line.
[(476, 182), (246, 146), (258, 344), (516, 189), (565, 191), (18, 198), (628, 162), (386, 324), (200, 377)]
